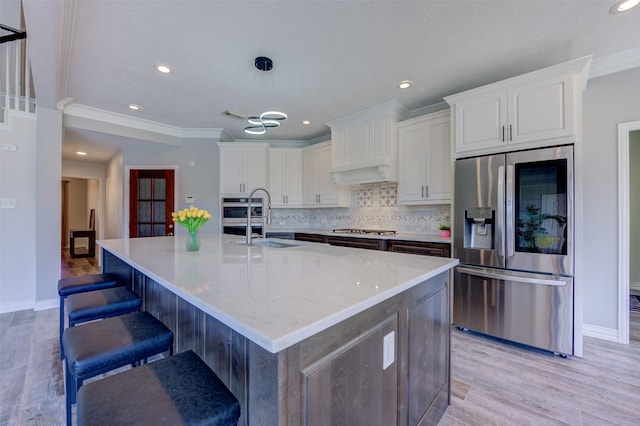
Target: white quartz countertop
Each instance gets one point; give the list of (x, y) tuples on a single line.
[(276, 297)]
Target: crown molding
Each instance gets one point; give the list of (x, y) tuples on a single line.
[(89, 118), (617, 62)]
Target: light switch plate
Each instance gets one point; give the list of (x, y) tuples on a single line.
[(189, 199), (388, 350), (8, 203)]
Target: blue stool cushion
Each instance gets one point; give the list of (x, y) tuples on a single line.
[(179, 390), (101, 346), (100, 304), (72, 285)]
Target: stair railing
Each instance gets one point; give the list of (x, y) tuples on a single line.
[(16, 84)]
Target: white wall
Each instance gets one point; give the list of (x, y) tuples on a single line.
[(77, 207), (47, 201), (201, 181), (114, 194), (608, 100), (17, 225)]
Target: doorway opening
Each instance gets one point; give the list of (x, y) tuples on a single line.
[(80, 200), (629, 206)]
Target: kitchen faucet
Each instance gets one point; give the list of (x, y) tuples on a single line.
[(267, 217)]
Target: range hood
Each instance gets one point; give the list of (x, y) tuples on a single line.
[(364, 145), (355, 174)]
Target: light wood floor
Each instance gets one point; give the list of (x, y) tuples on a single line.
[(493, 383), (499, 384)]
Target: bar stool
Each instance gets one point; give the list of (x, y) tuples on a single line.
[(81, 284), (101, 346), (101, 304), (179, 390)]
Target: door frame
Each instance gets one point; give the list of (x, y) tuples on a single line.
[(100, 211), (624, 129), (127, 183)]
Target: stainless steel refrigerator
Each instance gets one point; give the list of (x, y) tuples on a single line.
[(514, 226)]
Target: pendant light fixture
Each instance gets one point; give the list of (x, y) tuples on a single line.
[(258, 125)]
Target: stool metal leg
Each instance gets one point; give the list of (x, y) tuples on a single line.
[(61, 326), (68, 385)]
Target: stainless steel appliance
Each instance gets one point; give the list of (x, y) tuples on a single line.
[(513, 223), (234, 215)]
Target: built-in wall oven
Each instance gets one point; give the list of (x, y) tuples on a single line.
[(234, 215)]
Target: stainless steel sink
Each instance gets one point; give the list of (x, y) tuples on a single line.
[(266, 243), (274, 244)]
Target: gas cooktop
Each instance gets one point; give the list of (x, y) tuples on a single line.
[(364, 231)]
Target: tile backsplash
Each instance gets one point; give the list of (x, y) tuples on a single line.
[(372, 207)]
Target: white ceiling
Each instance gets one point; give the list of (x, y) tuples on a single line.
[(331, 58)]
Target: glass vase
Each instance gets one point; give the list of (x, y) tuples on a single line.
[(193, 241)]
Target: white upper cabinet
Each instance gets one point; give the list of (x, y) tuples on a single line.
[(319, 190), (286, 177), (243, 167), (364, 145), (536, 109), (424, 172)]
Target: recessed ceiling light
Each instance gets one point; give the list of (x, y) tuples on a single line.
[(81, 153), (623, 6), (163, 69), (405, 84), (135, 107), (305, 122)]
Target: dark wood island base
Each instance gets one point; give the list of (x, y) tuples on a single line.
[(335, 377)]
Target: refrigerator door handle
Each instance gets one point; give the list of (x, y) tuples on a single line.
[(510, 222), (500, 218), (486, 273)]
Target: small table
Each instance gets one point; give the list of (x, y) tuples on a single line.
[(87, 233)]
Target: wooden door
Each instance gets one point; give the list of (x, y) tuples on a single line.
[(151, 203)]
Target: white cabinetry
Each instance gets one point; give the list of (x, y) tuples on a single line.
[(318, 187), (286, 177), (243, 167), (364, 145), (424, 175), (536, 109)]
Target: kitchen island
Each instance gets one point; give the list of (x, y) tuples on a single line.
[(306, 333)]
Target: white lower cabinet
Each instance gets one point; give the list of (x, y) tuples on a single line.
[(424, 148), (318, 187), (286, 177)]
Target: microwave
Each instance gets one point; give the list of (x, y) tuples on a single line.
[(234, 215)]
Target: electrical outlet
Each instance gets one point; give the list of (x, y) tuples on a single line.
[(388, 349)]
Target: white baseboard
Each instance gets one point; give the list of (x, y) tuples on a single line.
[(46, 304), (37, 306), (4, 309), (602, 333)]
